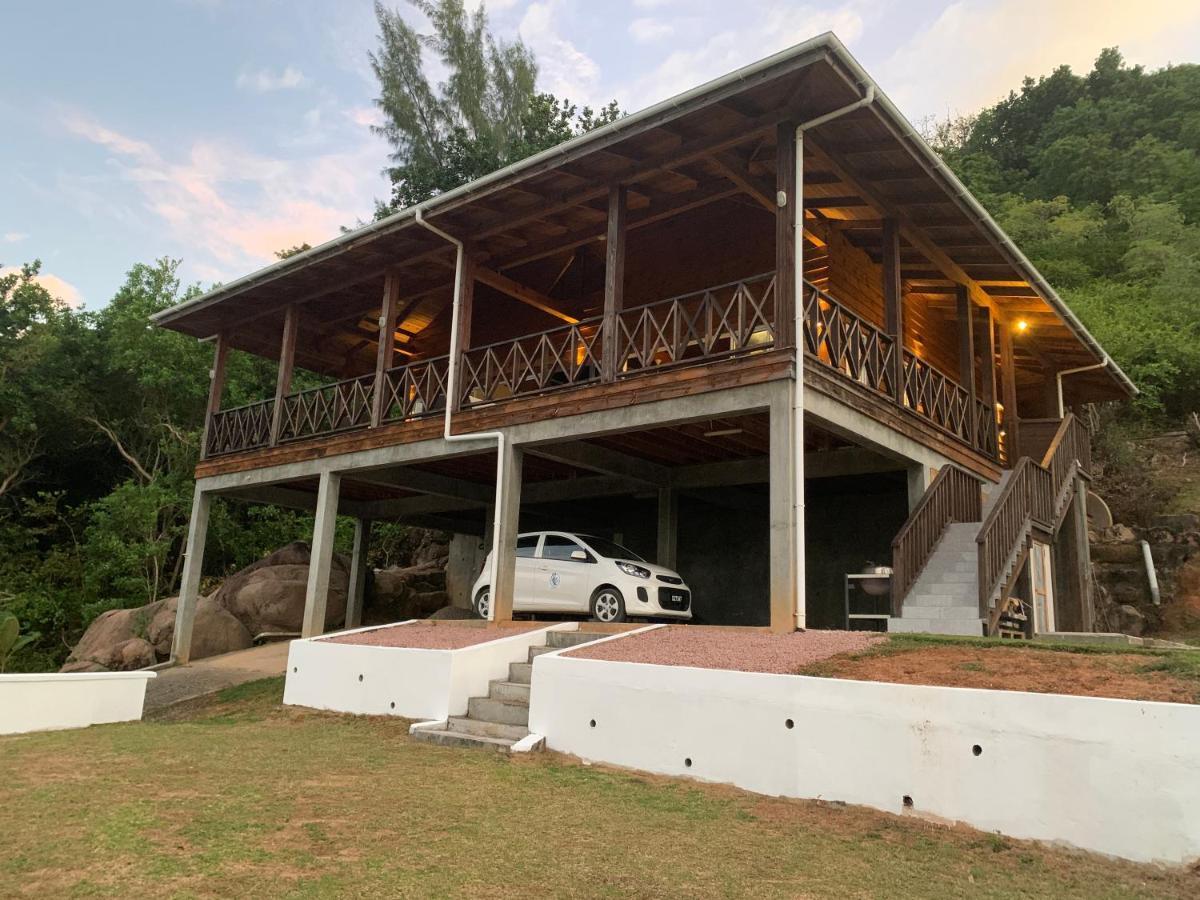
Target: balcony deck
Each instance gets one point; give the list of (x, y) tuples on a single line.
[(724, 336)]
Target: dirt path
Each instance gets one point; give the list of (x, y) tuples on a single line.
[(204, 676)]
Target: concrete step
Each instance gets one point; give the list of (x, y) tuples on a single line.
[(481, 728), (920, 611), (538, 651), (964, 627), (502, 711), (941, 598), (508, 690), (520, 673), (448, 738), (559, 639)]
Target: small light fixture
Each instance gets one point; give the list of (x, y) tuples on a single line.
[(1022, 326), (723, 432)]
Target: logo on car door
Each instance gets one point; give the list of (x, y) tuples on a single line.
[(555, 579)]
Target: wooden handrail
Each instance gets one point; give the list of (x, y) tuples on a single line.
[(954, 497)]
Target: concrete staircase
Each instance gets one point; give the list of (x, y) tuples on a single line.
[(945, 597), (500, 719)]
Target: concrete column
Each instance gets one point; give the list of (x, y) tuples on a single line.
[(358, 573), (321, 559), (189, 588), (508, 515), (918, 482), (668, 528), (1084, 555), (786, 569)]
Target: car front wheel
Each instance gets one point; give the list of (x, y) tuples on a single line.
[(483, 602), (608, 605)]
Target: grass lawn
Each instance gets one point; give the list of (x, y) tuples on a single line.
[(238, 796)]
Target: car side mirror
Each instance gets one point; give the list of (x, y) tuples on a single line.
[(579, 555)]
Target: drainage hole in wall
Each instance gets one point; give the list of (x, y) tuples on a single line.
[(907, 802), (592, 723), (393, 704), (295, 670), (977, 750), (688, 762), (789, 724), (360, 678)]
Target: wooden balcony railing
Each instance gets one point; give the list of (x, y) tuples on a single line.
[(240, 428), (727, 320), (415, 390), (955, 496), (559, 358)]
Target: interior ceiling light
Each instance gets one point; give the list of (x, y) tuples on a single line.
[(1022, 326)]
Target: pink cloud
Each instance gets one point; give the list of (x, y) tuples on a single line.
[(58, 287)]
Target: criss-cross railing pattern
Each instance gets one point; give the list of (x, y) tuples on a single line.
[(415, 390), (733, 318), (563, 357), (240, 428), (933, 394), (327, 409), (847, 342)]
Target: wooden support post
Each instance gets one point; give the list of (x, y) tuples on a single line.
[(508, 517), (283, 381), (966, 356), (987, 349), (466, 305), (893, 303), (1008, 384), (784, 572), (358, 572), (614, 278), (189, 587), (216, 388), (785, 236), (321, 558), (668, 527), (386, 347), (1083, 573)]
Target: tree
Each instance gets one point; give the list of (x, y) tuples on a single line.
[(483, 117)]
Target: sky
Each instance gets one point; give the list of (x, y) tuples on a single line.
[(219, 131)]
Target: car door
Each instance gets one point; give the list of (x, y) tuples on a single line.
[(525, 584), (564, 583)]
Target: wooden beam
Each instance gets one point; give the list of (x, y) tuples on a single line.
[(216, 388), (386, 349), (785, 243), (614, 277), (525, 294), (966, 354), (1008, 381), (736, 171), (893, 303), (987, 348), (287, 357)]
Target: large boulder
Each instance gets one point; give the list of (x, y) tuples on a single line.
[(215, 630), (269, 594), (410, 592), (103, 645)]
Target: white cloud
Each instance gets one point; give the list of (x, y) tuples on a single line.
[(264, 80), (63, 290), (565, 70), (649, 29), (962, 43), (13, 237), (230, 209)]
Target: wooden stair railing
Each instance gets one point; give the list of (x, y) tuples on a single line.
[(954, 497), (1035, 497)]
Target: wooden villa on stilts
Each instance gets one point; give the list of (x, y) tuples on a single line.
[(758, 331)]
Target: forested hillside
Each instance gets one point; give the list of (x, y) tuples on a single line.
[(1096, 177)]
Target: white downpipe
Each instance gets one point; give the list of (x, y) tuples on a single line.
[(1058, 377), (798, 331), (451, 384)]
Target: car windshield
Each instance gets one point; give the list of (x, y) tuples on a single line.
[(610, 549)]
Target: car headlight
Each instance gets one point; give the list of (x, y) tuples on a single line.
[(635, 571)]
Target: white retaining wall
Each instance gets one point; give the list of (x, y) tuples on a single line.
[(401, 681), (1119, 777), (48, 702)]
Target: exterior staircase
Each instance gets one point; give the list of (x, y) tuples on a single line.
[(501, 719)]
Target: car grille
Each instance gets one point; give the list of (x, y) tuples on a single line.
[(674, 599), (670, 579)]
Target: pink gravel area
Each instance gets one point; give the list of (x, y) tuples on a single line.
[(721, 648), (429, 636)]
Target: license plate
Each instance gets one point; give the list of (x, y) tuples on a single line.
[(677, 598)]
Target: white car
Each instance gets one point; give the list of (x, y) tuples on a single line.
[(573, 573)]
